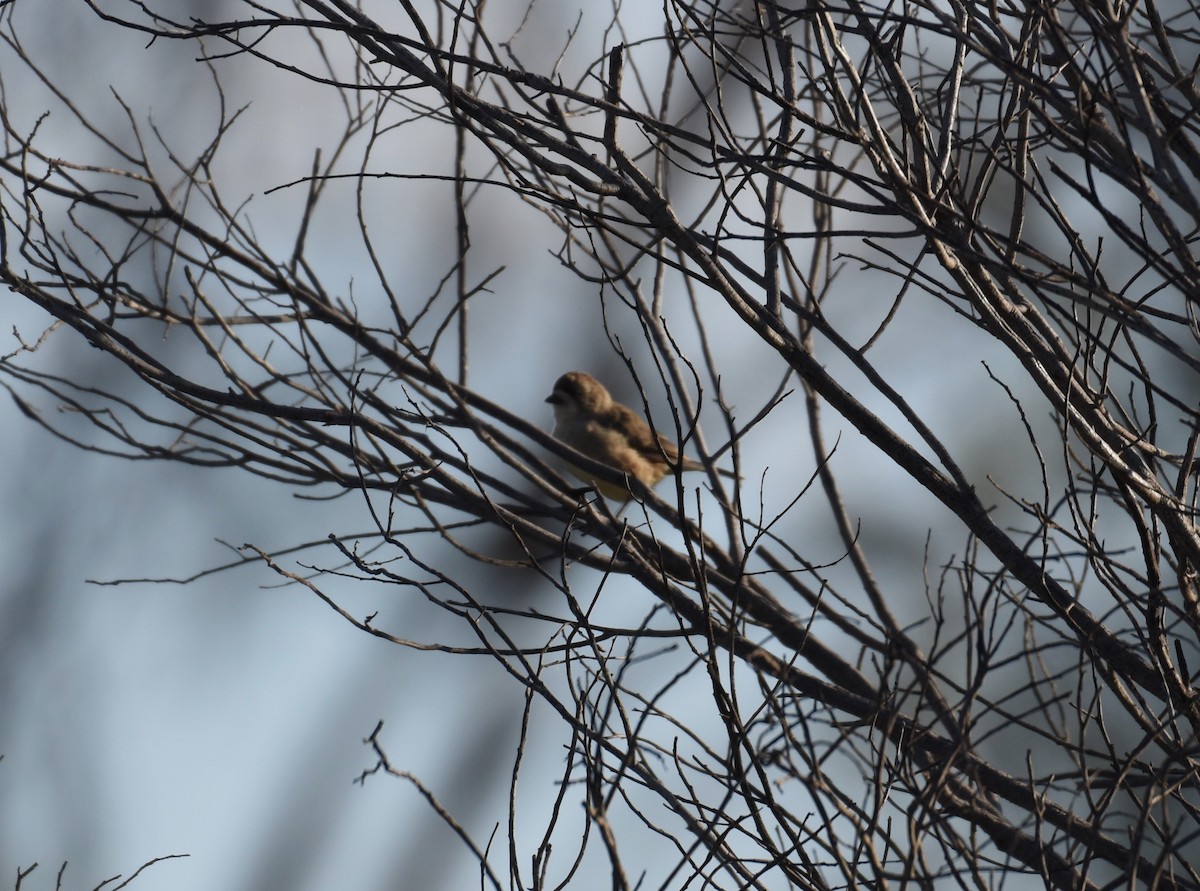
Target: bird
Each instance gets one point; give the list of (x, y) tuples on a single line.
[(589, 420)]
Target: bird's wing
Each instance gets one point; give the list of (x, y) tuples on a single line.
[(637, 433), (642, 441), (651, 447)]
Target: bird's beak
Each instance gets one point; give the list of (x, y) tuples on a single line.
[(554, 399)]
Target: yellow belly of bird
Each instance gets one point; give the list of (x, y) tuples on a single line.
[(605, 488)]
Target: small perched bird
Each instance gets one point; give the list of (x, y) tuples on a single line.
[(589, 420)]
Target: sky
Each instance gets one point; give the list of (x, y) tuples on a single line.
[(225, 718)]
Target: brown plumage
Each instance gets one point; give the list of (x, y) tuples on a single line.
[(588, 419)]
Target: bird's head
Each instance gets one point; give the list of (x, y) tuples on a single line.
[(578, 394)]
